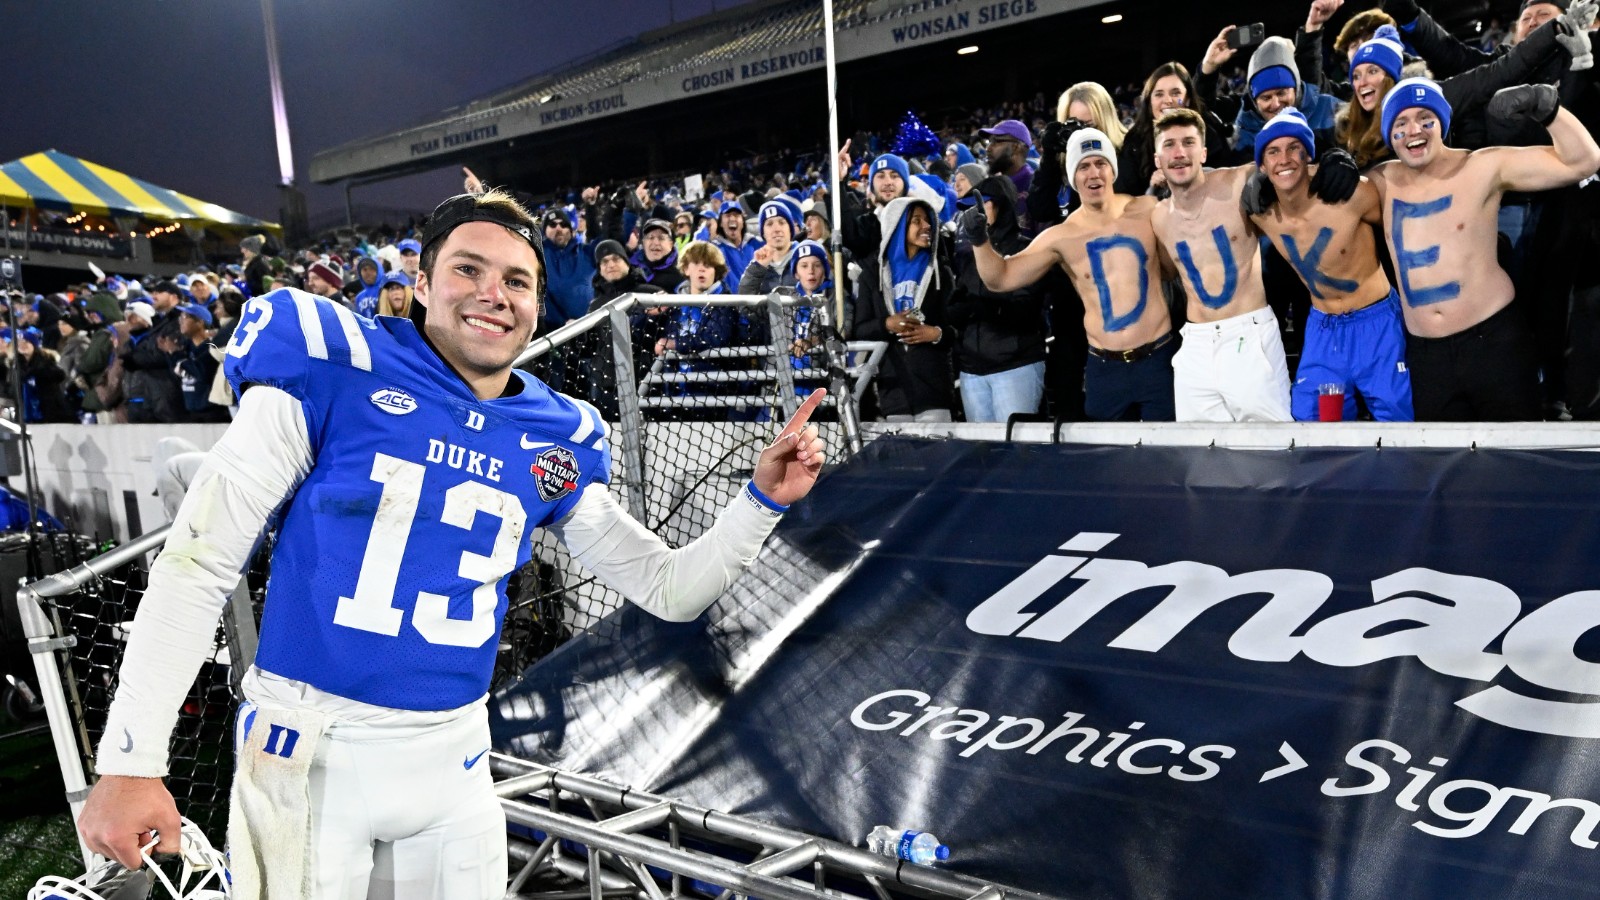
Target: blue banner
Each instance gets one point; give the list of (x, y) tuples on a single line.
[(1140, 671)]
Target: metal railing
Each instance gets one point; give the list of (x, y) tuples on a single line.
[(626, 831), (846, 368)]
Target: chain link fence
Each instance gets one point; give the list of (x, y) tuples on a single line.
[(685, 430)]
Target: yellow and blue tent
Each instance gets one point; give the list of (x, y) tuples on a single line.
[(57, 181)]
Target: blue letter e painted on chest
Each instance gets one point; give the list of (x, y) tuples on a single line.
[(1307, 265), (1407, 260), (1098, 248), (1230, 269)]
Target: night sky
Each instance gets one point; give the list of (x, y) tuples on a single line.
[(176, 91)]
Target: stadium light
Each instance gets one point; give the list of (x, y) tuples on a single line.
[(1112, 19), (967, 51)]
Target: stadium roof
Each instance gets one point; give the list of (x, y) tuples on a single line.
[(716, 52), (64, 183)]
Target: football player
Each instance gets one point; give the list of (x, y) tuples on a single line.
[(407, 466)]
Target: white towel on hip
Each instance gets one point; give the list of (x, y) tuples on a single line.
[(269, 820)]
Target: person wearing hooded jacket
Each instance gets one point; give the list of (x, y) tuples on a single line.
[(41, 375), (1001, 355), (369, 272), (92, 368), (901, 300)]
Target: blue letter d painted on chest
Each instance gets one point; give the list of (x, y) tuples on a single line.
[(1405, 261), (1098, 248), (1230, 269)]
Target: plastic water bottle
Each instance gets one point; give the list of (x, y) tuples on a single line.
[(919, 847)]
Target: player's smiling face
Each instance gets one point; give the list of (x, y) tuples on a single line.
[(483, 303)]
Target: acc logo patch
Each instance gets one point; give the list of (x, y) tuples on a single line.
[(393, 401), (555, 473)]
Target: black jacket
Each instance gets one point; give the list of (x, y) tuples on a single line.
[(153, 391), (997, 332), (859, 230), (43, 383)]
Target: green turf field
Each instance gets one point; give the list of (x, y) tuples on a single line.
[(36, 836)]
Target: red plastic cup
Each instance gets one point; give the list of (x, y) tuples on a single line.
[(1330, 403)]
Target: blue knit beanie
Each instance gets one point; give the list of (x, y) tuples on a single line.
[(1288, 123), (893, 163), (1384, 51), (1415, 93)]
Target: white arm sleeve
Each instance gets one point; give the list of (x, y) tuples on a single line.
[(259, 462), (676, 585)]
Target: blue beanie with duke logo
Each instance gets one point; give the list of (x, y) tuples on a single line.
[(1288, 123), (1415, 93), (812, 250), (781, 207), (1384, 51), (893, 163)]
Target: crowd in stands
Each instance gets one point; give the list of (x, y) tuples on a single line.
[(1226, 243)]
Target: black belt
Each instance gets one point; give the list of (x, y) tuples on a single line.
[(1131, 356)]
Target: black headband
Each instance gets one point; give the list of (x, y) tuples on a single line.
[(464, 208)]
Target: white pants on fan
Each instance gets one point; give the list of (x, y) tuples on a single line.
[(397, 812), (1232, 370)]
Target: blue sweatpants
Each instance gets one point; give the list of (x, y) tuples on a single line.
[(1364, 351)]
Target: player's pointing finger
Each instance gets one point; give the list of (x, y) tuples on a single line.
[(803, 414)]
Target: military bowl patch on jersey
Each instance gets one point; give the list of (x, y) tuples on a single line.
[(555, 473)]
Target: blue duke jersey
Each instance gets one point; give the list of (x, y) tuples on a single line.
[(388, 578)]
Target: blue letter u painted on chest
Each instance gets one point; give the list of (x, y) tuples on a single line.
[(1230, 269), (1098, 248), (1309, 265), (1407, 260)]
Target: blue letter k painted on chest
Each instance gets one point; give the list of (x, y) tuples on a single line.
[(1309, 265)]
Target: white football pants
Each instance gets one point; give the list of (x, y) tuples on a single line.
[(406, 813)]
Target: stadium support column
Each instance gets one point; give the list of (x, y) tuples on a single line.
[(847, 409), (291, 202)]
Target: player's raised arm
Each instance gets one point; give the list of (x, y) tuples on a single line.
[(1003, 274), (679, 584), (1573, 155)]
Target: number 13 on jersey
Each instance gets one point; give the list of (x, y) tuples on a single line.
[(370, 607)]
